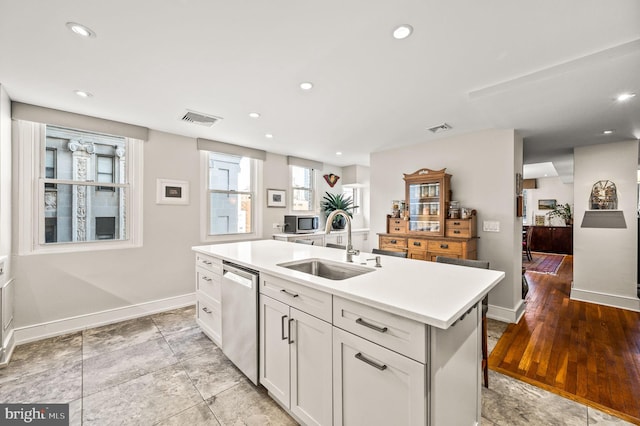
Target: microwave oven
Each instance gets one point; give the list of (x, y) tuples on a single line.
[(297, 224)]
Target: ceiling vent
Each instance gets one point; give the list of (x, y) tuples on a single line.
[(440, 128), (199, 118)]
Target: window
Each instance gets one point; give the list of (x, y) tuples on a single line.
[(82, 194), (354, 194), (105, 228), (104, 171), (231, 183), (301, 188)]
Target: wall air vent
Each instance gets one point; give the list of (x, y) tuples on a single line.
[(440, 128), (199, 118)]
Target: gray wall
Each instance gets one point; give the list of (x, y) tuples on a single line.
[(483, 166), (605, 260), (63, 285), (5, 180)]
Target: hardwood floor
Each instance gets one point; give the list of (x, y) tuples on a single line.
[(586, 352)]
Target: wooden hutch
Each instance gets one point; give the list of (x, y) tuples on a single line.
[(428, 232)]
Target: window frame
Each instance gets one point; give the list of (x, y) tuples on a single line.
[(113, 172), (312, 190), (31, 193), (256, 203)]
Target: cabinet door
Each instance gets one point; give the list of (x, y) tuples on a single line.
[(311, 398), (375, 386), (274, 348)]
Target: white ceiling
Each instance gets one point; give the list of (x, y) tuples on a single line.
[(549, 69)]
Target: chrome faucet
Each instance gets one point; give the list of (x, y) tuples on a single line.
[(350, 250)]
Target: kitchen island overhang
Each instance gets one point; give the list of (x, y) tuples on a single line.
[(433, 293)]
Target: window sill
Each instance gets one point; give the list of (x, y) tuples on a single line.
[(81, 247)]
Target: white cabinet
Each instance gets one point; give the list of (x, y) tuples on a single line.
[(295, 359), (208, 296), (375, 386)]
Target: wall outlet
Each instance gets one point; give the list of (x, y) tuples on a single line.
[(276, 226), (1, 267), (491, 226)]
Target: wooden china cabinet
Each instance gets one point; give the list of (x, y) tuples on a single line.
[(428, 232)]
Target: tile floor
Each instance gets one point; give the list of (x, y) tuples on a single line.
[(161, 370)]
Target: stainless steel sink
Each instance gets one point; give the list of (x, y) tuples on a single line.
[(326, 268)]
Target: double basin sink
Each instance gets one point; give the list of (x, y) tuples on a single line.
[(326, 269)]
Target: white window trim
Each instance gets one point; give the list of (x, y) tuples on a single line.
[(256, 204), (30, 196)]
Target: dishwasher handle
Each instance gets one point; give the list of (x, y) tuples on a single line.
[(239, 276)]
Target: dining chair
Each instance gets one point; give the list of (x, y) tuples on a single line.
[(526, 243), (389, 252), (338, 246), (485, 307)]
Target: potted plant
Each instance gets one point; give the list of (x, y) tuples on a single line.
[(331, 202), (564, 212)]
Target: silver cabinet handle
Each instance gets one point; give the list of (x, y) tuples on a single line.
[(371, 363), (206, 310), (282, 328), (288, 293), (290, 339), (207, 262), (371, 326), (206, 278)]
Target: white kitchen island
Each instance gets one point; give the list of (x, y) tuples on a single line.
[(399, 344)]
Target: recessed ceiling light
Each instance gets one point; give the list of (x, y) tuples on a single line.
[(268, 136), (306, 85), (81, 30), (254, 114), (402, 31), (607, 132), (339, 153), (625, 96), (83, 94)]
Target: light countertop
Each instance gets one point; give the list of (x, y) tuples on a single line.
[(436, 294)]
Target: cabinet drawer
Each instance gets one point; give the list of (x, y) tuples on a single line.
[(209, 317), (445, 247), (462, 228), (397, 226), (416, 245), (306, 299), (393, 243), (375, 386), (399, 334), (208, 282), (210, 263)]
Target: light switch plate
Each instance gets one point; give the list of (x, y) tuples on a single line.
[(491, 226)]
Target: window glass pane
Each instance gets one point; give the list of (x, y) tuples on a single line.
[(302, 199), (230, 213), (302, 188), (354, 194), (76, 213), (229, 172), (301, 177)]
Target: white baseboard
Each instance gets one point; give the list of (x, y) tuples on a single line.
[(45, 330), (622, 302), (506, 315)]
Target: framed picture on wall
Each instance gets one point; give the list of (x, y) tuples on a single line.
[(170, 191), (546, 204), (276, 198)]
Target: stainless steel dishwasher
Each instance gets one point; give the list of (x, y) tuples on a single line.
[(240, 318)]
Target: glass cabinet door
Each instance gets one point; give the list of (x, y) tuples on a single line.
[(427, 193), (424, 207)]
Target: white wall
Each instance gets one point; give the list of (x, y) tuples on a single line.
[(483, 166), (604, 265), (549, 188), (5, 182)]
